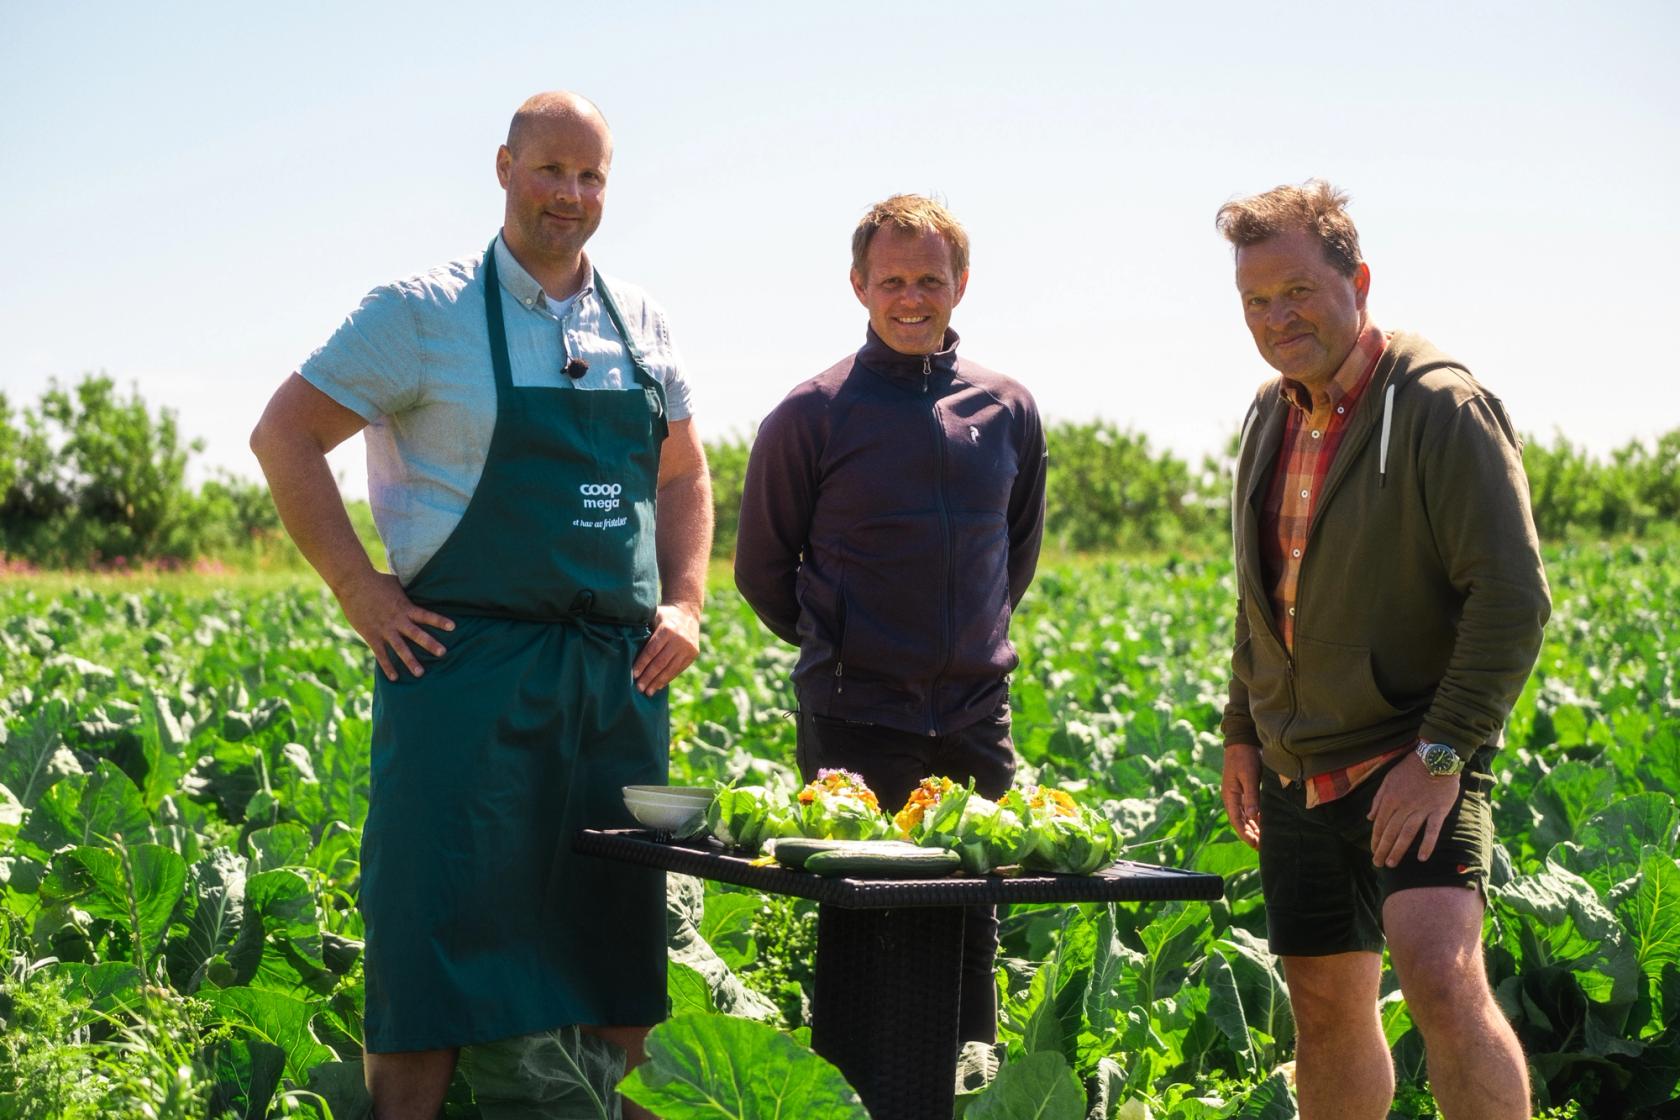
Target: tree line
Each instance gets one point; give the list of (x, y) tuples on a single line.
[(91, 477)]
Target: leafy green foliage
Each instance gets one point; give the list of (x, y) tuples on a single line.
[(1039, 1086), (702, 1067), (184, 776)]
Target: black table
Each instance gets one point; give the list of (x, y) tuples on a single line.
[(889, 954)]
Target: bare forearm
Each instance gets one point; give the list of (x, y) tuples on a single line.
[(310, 507), (683, 538)]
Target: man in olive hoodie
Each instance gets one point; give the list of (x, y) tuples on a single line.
[(1390, 604)]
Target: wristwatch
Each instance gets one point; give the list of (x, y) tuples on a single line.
[(1439, 759)]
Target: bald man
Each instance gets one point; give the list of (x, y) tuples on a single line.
[(522, 415)]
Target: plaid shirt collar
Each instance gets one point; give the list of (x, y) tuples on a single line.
[(1367, 348)]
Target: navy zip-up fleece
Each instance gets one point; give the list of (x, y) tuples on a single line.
[(890, 523)]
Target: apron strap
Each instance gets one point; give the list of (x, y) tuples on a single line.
[(655, 391), (498, 329)]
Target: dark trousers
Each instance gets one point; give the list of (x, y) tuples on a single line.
[(893, 763)]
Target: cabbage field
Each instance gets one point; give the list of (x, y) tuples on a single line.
[(184, 775)]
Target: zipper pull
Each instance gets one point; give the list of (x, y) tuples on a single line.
[(839, 673), (927, 371)]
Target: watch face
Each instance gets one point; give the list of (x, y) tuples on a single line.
[(1441, 759)]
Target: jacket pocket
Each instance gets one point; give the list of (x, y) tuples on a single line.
[(840, 634), (1336, 693)]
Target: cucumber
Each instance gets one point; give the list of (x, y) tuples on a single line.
[(883, 859), (793, 851)]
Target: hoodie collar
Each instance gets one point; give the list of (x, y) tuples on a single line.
[(907, 368)]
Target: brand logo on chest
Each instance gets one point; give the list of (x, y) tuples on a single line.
[(600, 495)]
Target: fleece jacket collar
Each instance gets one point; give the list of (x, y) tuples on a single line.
[(905, 370)]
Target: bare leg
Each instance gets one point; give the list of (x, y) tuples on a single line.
[(631, 1040), (410, 1085), (1476, 1066), (1342, 1067)]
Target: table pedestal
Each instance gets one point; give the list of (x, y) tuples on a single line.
[(884, 1008)]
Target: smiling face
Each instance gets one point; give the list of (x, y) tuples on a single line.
[(556, 182), (911, 289), (1304, 315)]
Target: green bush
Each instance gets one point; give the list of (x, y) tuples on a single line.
[(1108, 491), (94, 477), (1574, 493)]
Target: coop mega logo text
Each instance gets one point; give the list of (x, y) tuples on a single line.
[(600, 495)]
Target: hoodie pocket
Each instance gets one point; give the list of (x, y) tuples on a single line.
[(1336, 691)]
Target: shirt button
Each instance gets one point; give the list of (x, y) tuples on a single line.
[(1340, 409), (1315, 433), (1296, 554), (1303, 493), (1291, 612)]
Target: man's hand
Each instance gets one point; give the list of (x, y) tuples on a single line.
[(1410, 799), (1239, 786), (388, 621), (671, 648)]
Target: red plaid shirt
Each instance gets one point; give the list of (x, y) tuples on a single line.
[(1312, 433)]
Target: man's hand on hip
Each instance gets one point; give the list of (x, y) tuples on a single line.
[(671, 648), (1410, 800), (1239, 786), (388, 621)]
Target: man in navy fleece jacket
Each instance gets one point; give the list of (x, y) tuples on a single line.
[(890, 524)]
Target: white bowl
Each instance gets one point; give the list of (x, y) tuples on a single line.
[(669, 809), (689, 795), (681, 822), (648, 797)]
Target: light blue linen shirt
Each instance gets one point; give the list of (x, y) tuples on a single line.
[(414, 362)]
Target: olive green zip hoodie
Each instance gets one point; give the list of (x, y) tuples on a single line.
[(1422, 594)]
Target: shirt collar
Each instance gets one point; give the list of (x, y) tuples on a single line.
[(1353, 371), (522, 286)]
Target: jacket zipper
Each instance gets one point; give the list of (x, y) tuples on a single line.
[(840, 638), (1288, 654), (944, 545)]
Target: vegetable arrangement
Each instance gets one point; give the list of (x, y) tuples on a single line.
[(1042, 828)]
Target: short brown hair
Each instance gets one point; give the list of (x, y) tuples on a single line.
[(912, 213), (1314, 206)]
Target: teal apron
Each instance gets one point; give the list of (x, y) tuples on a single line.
[(481, 922)]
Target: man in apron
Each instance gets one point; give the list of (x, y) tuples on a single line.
[(522, 415)]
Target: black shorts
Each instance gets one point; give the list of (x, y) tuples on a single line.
[(1322, 894)]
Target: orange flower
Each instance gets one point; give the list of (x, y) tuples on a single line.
[(1059, 803), (924, 797)]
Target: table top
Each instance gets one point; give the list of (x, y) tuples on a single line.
[(1120, 882)]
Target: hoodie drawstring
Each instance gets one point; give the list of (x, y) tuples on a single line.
[(1388, 421)]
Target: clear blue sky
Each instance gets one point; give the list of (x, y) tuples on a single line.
[(192, 196)]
